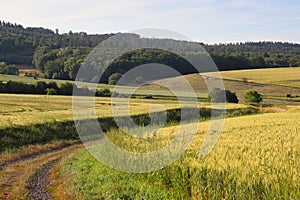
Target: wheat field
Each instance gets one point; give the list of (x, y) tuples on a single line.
[(256, 157)]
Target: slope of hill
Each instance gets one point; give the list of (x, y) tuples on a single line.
[(59, 56), (279, 76), (276, 82)]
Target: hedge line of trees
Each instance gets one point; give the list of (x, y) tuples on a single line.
[(59, 56), (218, 95), (50, 88), (8, 69), (40, 87)]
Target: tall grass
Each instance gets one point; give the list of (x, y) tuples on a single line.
[(257, 157)]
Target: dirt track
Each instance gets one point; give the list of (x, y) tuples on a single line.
[(27, 177), (37, 185)]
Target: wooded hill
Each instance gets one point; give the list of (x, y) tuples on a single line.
[(59, 56)]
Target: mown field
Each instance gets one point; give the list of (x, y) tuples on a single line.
[(31, 119), (257, 157), (276, 76), (275, 82)]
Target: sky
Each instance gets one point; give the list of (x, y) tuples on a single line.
[(208, 21)]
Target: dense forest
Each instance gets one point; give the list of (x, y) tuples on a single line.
[(59, 56)]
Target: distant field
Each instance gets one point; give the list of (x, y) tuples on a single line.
[(161, 92), (271, 82), (23, 110), (276, 82), (16, 110), (35, 119), (278, 76), (257, 157)]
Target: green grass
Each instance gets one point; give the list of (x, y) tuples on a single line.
[(29, 80), (257, 157)]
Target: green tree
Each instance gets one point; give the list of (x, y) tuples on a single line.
[(114, 78), (217, 95), (258, 62), (3, 67), (53, 85), (231, 97), (51, 91), (139, 80), (66, 88), (11, 70), (253, 97), (103, 93), (41, 87)]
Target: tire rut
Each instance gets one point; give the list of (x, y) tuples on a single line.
[(37, 185)]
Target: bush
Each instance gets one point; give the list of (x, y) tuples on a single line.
[(8, 69), (41, 87), (114, 78), (217, 95), (51, 91), (103, 93), (231, 97), (53, 85), (139, 80), (220, 96), (66, 88), (253, 97)]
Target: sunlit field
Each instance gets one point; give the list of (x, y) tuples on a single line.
[(256, 157), (277, 76), (35, 109), (91, 111)]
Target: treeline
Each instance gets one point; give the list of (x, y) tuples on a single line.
[(8, 69), (18, 44), (59, 56), (255, 47), (51, 88), (40, 87)]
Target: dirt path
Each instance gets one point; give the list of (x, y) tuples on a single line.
[(28, 176), (34, 155), (37, 185)]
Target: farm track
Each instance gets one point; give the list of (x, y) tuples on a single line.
[(34, 155), (39, 181), (27, 177)]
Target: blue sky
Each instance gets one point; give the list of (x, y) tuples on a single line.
[(209, 21)]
